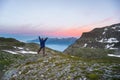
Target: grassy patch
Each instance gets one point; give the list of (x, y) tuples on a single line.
[(6, 59), (32, 46), (93, 76), (77, 77), (91, 53)]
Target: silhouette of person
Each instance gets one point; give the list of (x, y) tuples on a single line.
[(42, 45)]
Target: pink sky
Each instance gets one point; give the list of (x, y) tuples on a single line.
[(74, 31), (57, 18)]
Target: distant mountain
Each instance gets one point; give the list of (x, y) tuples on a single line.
[(20, 37), (103, 38), (61, 41)]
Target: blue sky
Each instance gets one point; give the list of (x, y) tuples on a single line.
[(56, 17)]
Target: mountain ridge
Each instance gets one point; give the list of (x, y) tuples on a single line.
[(107, 37)]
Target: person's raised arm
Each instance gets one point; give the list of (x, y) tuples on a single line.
[(46, 38), (39, 39)]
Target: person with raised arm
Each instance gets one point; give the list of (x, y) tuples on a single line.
[(42, 44)]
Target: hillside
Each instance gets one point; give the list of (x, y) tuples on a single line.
[(21, 62), (99, 38), (12, 49), (61, 67)]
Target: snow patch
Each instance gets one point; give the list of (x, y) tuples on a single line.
[(113, 48), (22, 51), (105, 29), (20, 47), (118, 26), (30, 52), (113, 55), (12, 52), (109, 46), (101, 40), (110, 40), (103, 33), (113, 27), (85, 45), (14, 46)]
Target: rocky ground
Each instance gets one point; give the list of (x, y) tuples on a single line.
[(57, 66)]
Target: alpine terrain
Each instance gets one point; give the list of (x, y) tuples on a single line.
[(91, 58)]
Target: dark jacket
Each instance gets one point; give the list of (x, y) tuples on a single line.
[(42, 42)]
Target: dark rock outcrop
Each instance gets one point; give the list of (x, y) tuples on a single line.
[(104, 38)]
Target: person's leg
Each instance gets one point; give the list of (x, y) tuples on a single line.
[(44, 51), (39, 50)]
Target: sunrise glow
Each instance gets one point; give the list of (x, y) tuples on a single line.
[(59, 18)]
